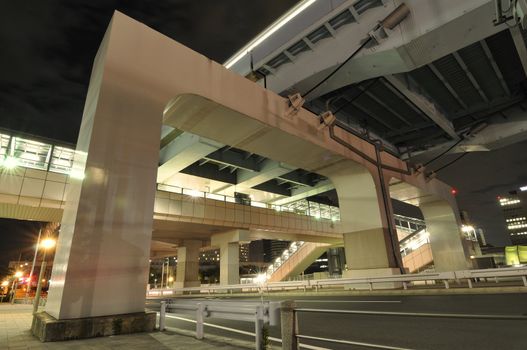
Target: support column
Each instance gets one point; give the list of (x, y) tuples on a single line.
[(187, 269), (229, 263), (365, 219), (101, 265), (229, 244), (446, 241)]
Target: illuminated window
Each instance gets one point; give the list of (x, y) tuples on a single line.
[(30, 154), (61, 160)]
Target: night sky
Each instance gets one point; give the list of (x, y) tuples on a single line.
[(47, 49)]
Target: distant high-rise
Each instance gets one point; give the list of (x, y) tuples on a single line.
[(514, 207)]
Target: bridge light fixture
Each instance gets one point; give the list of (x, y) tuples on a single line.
[(10, 162), (268, 32)]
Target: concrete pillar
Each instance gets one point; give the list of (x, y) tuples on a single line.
[(364, 218), (229, 263), (187, 269), (229, 244), (446, 241), (101, 266)]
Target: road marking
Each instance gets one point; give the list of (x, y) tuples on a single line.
[(278, 340), (348, 342), (350, 301), (415, 314)]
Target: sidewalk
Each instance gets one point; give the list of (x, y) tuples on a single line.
[(15, 324)]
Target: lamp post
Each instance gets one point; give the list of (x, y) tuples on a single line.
[(18, 274), (33, 264), (46, 244)]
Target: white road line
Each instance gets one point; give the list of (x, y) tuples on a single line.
[(348, 342), (278, 340), (350, 301)]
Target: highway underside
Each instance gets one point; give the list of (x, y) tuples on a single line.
[(397, 332)]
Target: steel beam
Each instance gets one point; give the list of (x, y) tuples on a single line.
[(470, 76), (519, 42), (421, 103), (384, 105), (495, 67), (447, 85), (181, 152), (228, 157)]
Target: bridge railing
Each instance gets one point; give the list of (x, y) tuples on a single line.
[(260, 312), (471, 276), (292, 336)]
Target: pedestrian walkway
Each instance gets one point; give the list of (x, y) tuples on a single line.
[(15, 324)]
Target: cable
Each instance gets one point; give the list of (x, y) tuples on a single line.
[(338, 67), (452, 162), (445, 152), (356, 97)]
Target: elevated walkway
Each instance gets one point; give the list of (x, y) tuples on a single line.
[(32, 194)]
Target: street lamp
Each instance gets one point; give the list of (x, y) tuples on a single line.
[(17, 275), (46, 244)]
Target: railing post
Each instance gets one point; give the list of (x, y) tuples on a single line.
[(288, 324), (524, 279), (199, 321), (258, 328), (469, 282), (447, 286), (162, 313)]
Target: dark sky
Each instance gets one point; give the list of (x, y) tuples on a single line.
[(482, 176), (48, 46)]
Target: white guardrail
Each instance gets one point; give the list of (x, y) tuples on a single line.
[(260, 312), (405, 280)]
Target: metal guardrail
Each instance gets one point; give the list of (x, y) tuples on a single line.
[(259, 312), (290, 324), (402, 280)]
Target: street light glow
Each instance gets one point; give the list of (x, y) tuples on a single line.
[(18, 274), (467, 229), (10, 162), (48, 243), (260, 278), (5, 283)]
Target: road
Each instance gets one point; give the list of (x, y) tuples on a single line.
[(408, 332)]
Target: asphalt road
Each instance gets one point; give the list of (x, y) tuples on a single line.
[(408, 332)]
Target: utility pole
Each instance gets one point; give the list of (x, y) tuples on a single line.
[(33, 264)]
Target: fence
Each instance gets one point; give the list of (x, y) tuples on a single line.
[(291, 336), (259, 312), (471, 276)]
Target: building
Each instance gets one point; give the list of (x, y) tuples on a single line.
[(514, 208)]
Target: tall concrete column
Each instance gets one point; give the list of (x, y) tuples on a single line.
[(187, 269), (229, 263), (101, 263), (229, 244), (446, 241), (364, 218)]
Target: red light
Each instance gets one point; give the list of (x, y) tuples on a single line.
[(453, 191)]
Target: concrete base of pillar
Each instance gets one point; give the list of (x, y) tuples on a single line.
[(365, 273), (47, 328)]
